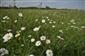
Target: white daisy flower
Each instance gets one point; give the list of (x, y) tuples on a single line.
[(3, 51), (7, 37), (38, 43), (43, 20), (53, 26), (72, 26), (74, 23), (62, 23), (5, 17), (36, 20), (17, 35), (49, 52), (32, 40), (47, 17), (43, 38), (31, 55), (82, 26), (18, 31), (20, 14), (9, 30), (29, 35), (72, 20), (3, 21), (48, 41), (54, 22), (61, 31), (23, 28), (22, 45), (36, 28), (60, 37), (50, 22), (15, 21)]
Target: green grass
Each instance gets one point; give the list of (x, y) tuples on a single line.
[(74, 38)]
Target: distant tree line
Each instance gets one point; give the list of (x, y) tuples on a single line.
[(47, 7)]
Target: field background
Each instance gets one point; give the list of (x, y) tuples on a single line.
[(74, 38)]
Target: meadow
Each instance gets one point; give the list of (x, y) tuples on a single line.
[(36, 30)]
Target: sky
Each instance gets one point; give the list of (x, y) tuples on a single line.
[(70, 4)]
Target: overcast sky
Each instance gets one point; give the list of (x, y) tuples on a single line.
[(71, 4)]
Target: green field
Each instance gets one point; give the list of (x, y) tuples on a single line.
[(69, 24)]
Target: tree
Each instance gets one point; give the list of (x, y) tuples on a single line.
[(40, 5), (14, 3), (47, 7)]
